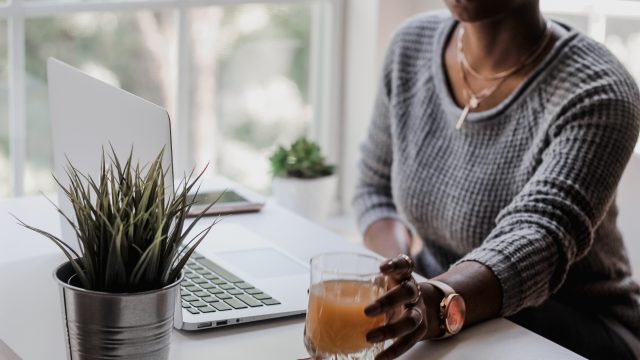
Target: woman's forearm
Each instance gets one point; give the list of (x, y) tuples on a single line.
[(388, 237), (478, 286)]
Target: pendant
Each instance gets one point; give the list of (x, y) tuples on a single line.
[(472, 104)]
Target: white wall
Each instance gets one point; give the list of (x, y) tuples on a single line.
[(360, 69), (629, 207), (395, 12), (369, 26)]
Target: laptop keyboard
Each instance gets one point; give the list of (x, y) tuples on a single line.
[(208, 288)]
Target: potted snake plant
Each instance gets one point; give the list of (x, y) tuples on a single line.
[(119, 291), (303, 180)]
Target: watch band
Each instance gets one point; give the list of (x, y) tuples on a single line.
[(449, 324), (446, 289)]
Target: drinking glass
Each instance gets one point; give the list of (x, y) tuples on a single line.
[(342, 285)]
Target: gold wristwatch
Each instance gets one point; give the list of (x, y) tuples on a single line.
[(452, 310)]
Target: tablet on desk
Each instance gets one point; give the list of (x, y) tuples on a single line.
[(228, 201)]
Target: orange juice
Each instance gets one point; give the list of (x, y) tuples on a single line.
[(336, 323)]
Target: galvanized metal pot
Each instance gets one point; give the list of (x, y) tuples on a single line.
[(101, 325)]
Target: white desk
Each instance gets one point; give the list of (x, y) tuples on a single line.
[(31, 324)]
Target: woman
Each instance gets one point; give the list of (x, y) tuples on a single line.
[(499, 138)]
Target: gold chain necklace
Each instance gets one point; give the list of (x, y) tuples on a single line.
[(475, 98)]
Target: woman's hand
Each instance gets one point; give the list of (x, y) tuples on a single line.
[(404, 307)]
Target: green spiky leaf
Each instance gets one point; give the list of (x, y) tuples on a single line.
[(129, 228)]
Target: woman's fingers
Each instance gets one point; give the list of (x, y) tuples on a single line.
[(400, 295), (403, 343), (411, 320), (399, 268), (411, 326)]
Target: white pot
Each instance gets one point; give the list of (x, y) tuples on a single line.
[(311, 198)]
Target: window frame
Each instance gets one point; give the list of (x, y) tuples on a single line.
[(596, 11), (325, 69)]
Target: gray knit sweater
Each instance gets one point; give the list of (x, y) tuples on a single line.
[(526, 188)]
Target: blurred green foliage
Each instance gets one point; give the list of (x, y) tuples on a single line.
[(286, 22), (116, 42), (111, 40)]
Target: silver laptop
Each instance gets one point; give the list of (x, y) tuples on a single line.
[(236, 276)]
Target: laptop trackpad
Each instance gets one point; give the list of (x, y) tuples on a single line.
[(263, 263)]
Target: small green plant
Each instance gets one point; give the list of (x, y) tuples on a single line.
[(130, 231), (302, 160)]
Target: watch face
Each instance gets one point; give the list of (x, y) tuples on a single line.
[(455, 313)]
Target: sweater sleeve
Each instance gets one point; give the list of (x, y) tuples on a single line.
[(373, 198), (550, 224)]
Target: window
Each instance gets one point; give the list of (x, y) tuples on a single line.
[(250, 73), (129, 50), (615, 23), (237, 77), (612, 22)]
